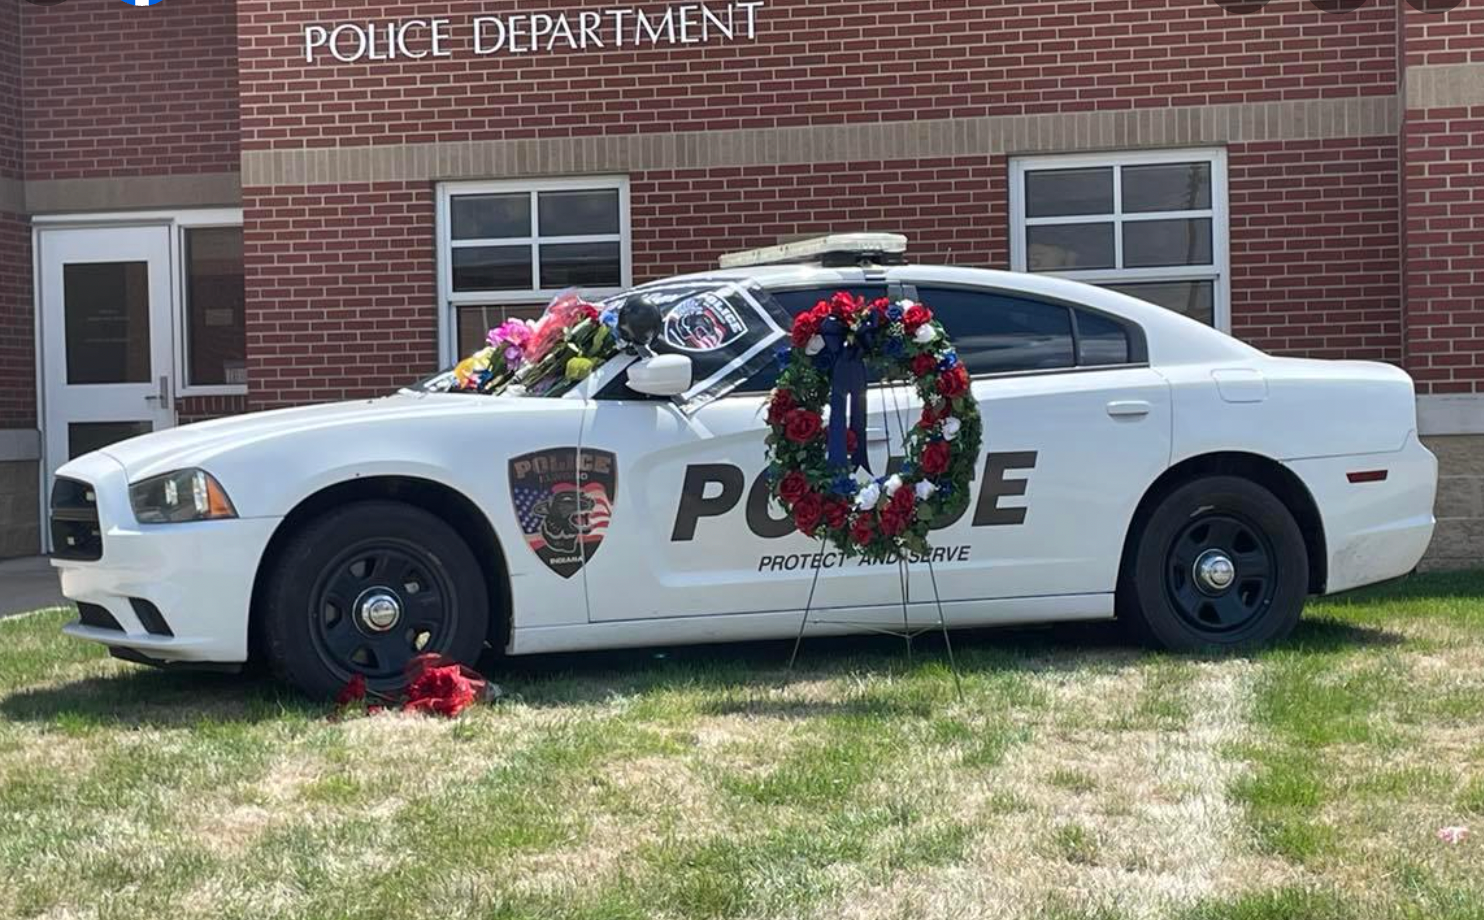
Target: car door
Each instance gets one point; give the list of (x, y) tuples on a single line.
[(693, 525), (1076, 426)]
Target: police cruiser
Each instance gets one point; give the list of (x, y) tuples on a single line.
[(1136, 464)]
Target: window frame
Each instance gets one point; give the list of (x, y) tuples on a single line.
[(1218, 272), (215, 219), (450, 301)]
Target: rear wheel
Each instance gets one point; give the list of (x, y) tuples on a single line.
[(1220, 562), (366, 588)]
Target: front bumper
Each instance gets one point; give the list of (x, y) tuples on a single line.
[(197, 577), (1374, 531)]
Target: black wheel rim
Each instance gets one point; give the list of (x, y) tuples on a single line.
[(379, 604), (1221, 573)]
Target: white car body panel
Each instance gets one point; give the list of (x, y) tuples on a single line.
[(1082, 446)]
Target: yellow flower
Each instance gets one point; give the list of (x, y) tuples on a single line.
[(579, 368)]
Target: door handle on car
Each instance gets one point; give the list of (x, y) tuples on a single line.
[(1132, 408)]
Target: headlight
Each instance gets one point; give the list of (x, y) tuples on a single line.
[(187, 495)]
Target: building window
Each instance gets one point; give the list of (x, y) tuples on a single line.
[(506, 248), (215, 296), (1152, 225)]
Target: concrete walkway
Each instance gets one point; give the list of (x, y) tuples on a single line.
[(28, 584)]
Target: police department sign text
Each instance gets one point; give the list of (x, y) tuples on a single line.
[(528, 33)]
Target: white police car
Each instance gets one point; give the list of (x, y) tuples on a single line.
[(1136, 464)]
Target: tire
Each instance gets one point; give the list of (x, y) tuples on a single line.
[(363, 589), (1171, 592)]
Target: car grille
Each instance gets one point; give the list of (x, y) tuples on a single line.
[(97, 616), (75, 530)]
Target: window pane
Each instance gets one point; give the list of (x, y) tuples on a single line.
[(1150, 243), (1167, 187), (489, 217), (492, 268), (1069, 247), (475, 323), (1100, 340), (216, 330), (86, 437), (996, 333), (106, 316), (1063, 192), (579, 213), (1195, 299), (587, 264)]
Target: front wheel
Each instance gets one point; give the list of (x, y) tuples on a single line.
[(366, 588), (1220, 562)]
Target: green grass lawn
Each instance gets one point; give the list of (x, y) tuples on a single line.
[(1078, 778)]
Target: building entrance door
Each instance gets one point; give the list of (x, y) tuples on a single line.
[(106, 347)]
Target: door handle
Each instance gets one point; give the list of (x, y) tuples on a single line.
[(1133, 408), (163, 397)]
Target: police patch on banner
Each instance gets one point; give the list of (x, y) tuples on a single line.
[(727, 328), (563, 499)]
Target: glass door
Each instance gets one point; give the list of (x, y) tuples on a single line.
[(106, 330)]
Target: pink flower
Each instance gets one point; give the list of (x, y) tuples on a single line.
[(511, 332), (1453, 836)]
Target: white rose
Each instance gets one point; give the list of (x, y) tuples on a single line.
[(908, 304), (951, 428), (815, 346), (925, 334), (868, 496), (925, 490), (893, 485)]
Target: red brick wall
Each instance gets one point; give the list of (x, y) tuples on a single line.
[(341, 292), (1445, 249), (200, 408), (1456, 37), (112, 90), (953, 210), (17, 331), (1315, 247), (813, 63), (10, 89)]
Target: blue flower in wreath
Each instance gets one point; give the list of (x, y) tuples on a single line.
[(844, 485), (782, 355), (894, 313), (894, 347), (907, 469), (949, 362), (945, 489)]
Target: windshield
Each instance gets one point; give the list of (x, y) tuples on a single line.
[(727, 328)]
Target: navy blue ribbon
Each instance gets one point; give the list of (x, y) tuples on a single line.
[(846, 357)]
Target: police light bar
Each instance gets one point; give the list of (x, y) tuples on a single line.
[(836, 250)]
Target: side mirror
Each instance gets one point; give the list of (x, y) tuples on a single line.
[(661, 375)]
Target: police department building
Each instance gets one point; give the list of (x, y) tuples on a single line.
[(214, 206)]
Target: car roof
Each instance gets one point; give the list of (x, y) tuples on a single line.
[(1171, 337)]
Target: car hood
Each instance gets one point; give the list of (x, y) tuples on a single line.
[(195, 445)]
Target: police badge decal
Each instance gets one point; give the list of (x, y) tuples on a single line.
[(563, 499)]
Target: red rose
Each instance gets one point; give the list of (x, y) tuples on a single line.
[(915, 316), (862, 530), (935, 458), (444, 691), (904, 502), (954, 383), (793, 486), (845, 306), (807, 512), (880, 305), (806, 327), (931, 416), (922, 365), (836, 513), (590, 312), (802, 426), (353, 692), (780, 405)]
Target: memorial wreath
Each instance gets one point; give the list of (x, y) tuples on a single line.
[(815, 458)]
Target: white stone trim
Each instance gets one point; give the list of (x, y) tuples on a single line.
[(19, 445), (1445, 415)]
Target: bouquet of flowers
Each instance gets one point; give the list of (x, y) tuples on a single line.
[(546, 357)]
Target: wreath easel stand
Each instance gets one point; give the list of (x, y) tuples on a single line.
[(834, 341)]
